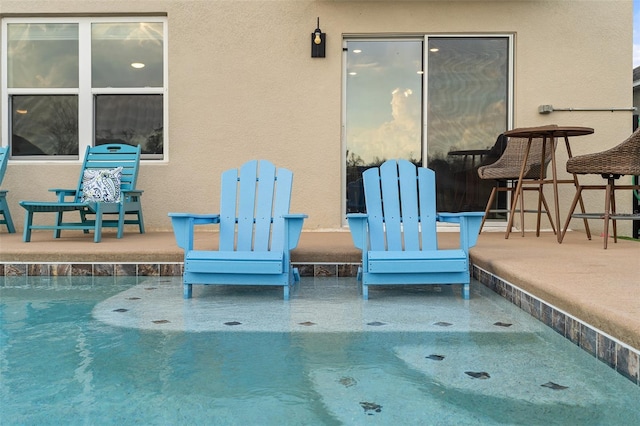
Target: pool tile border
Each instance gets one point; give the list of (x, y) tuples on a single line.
[(617, 355), (614, 353), (88, 269)]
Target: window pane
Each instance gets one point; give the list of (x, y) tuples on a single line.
[(467, 93), (383, 108), (126, 54), (467, 98), (130, 119), (42, 55), (44, 125)]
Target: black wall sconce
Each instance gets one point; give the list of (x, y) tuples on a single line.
[(318, 42)]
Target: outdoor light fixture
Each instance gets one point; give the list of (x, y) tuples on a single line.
[(318, 40)]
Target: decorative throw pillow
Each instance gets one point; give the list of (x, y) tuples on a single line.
[(101, 185)]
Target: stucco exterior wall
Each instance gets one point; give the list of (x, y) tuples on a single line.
[(242, 85)]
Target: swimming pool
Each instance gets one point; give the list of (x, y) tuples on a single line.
[(121, 350)]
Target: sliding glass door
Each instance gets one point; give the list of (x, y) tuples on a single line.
[(439, 102)]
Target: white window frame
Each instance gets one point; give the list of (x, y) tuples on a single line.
[(84, 91)]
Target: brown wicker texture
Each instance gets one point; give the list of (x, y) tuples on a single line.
[(507, 168), (623, 159), (509, 164)]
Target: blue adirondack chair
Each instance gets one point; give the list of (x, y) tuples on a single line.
[(397, 235), (107, 186), (256, 231), (4, 207)]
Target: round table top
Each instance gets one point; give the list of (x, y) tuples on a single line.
[(548, 131)]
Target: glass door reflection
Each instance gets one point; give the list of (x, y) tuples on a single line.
[(383, 108)]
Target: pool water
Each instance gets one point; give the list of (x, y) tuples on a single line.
[(131, 351)]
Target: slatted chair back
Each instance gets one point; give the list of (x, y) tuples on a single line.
[(4, 159), (401, 207), (102, 199), (253, 201), (397, 234), (111, 156), (5, 214)]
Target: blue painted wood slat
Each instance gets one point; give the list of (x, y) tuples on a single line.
[(4, 206), (266, 183), (284, 185), (398, 236), (375, 217), (107, 156), (228, 206), (408, 181), (256, 231), (246, 205), (391, 205)]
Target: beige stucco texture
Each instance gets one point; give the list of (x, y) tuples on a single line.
[(242, 85)]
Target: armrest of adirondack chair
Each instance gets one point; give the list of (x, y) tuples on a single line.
[(293, 228), (184, 223), (63, 193), (130, 194), (132, 191), (358, 228), (469, 226)]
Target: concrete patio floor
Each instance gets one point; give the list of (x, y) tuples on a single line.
[(599, 287)]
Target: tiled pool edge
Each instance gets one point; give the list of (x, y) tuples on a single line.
[(614, 353), (617, 355)]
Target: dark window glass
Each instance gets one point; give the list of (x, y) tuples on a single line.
[(44, 125), (130, 119)]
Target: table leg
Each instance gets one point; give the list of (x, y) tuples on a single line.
[(541, 186), (518, 191), (555, 189)]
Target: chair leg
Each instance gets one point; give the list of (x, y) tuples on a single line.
[(28, 221), (465, 291), (522, 211), (187, 291), (4, 210), (613, 210), (83, 219), (582, 209), (607, 207), (140, 221), (541, 201), (56, 232), (494, 190), (97, 233), (10, 227), (365, 292), (574, 203), (120, 222), (546, 208)]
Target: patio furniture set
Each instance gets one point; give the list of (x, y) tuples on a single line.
[(397, 234)]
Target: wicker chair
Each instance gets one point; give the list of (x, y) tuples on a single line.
[(623, 159), (506, 171)]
